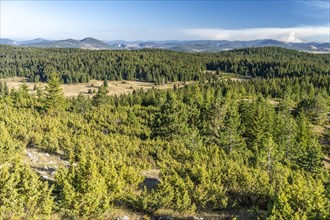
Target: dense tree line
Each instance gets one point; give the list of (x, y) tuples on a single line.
[(271, 62), (218, 144), (154, 65)]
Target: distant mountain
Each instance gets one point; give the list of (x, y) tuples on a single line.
[(182, 46), (87, 43), (94, 43), (37, 40), (270, 42), (8, 42), (219, 45), (67, 43)]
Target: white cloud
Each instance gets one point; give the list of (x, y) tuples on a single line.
[(292, 34)]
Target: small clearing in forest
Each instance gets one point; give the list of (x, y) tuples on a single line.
[(114, 88)]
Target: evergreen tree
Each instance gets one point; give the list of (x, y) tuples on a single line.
[(6, 89), (101, 96), (82, 189), (258, 126), (303, 199), (171, 120), (54, 100), (231, 130), (2, 88), (22, 194), (105, 83), (285, 136)]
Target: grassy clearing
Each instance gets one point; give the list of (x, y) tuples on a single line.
[(72, 90)]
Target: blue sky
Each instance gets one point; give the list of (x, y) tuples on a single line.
[(289, 20)]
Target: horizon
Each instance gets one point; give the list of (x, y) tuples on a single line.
[(169, 40), (288, 21)]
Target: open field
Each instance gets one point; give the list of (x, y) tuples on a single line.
[(72, 90)]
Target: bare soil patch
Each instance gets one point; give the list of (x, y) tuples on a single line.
[(45, 164)]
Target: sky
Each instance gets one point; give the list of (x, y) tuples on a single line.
[(286, 20)]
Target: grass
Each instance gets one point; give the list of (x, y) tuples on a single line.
[(72, 90)]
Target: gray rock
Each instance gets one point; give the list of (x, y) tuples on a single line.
[(123, 218)]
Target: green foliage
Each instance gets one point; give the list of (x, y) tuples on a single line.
[(159, 66), (258, 128), (303, 198), (316, 107), (151, 200), (308, 154), (101, 96), (82, 188), (8, 146), (171, 121), (54, 100), (22, 194), (216, 145)]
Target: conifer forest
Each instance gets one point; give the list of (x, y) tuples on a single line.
[(246, 133)]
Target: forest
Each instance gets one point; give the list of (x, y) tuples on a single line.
[(155, 65), (216, 145)]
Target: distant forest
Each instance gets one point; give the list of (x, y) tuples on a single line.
[(154, 65), (256, 146)]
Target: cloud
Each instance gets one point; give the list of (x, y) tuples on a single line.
[(291, 34), (325, 4)]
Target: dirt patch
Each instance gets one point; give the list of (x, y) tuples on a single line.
[(43, 163), (318, 130), (326, 163), (154, 173)]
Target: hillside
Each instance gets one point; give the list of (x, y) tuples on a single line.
[(92, 43), (218, 148), (154, 65)]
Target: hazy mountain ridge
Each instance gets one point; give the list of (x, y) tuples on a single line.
[(87, 43), (183, 46)]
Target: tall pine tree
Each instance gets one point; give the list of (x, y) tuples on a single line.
[(54, 100)]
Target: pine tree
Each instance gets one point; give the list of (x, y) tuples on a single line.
[(171, 120), (54, 100), (257, 118), (101, 96), (304, 198), (2, 88), (230, 132), (6, 89), (310, 158), (106, 83), (308, 152), (285, 136), (82, 189), (22, 194)]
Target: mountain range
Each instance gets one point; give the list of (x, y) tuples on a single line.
[(182, 46)]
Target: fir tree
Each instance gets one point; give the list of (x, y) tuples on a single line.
[(101, 96), (54, 100)]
